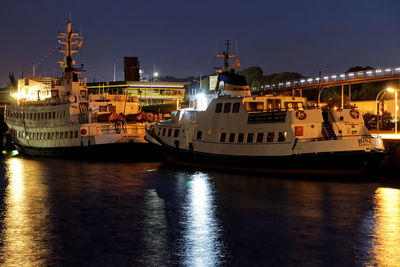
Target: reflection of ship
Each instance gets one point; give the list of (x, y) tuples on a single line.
[(57, 117), (264, 133)]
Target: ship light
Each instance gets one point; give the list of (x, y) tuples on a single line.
[(201, 101)]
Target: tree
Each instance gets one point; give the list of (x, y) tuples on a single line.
[(252, 74)]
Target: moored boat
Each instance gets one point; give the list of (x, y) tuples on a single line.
[(56, 117), (232, 130)]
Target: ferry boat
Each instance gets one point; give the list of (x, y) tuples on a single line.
[(233, 130), (56, 117)]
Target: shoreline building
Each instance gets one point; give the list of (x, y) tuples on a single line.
[(148, 92)]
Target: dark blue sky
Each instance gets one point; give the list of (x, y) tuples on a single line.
[(180, 37)]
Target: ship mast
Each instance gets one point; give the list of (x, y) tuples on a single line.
[(226, 56), (69, 40)]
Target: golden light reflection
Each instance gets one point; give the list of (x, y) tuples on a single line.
[(202, 246), (25, 224), (386, 246)]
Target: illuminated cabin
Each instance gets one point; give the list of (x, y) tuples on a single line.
[(148, 93)]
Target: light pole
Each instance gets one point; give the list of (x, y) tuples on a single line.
[(390, 90), (319, 96), (155, 74)]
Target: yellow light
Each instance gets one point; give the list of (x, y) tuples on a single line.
[(386, 251), (390, 90)]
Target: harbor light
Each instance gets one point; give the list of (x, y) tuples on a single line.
[(201, 101)]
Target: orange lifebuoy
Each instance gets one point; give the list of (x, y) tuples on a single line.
[(301, 114), (354, 114), (83, 131)]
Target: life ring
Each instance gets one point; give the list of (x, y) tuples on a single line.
[(354, 114), (301, 114), (72, 98), (83, 131)]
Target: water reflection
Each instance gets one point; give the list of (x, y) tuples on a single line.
[(386, 244), (25, 226), (202, 247)]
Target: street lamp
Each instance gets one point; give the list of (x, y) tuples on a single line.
[(319, 95), (155, 74), (390, 90)]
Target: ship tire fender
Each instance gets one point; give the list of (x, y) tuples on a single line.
[(301, 114), (151, 128), (354, 114), (83, 132)]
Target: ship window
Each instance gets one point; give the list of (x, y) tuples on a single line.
[(254, 106), (218, 108), (112, 109), (30, 116), (260, 137), (54, 115), (231, 137), (45, 115), (169, 132), (103, 109), (281, 136), (199, 133), (223, 137), (163, 132), (57, 135), (66, 135), (76, 134), (48, 135), (236, 107), (250, 137), (53, 135), (71, 134), (176, 133), (227, 107), (41, 116), (63, 113), (270, 137), (61, 135), (49, 114), (240, 137), (159, 131)]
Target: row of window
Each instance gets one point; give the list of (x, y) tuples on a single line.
[(227, 107), (248, 138), (168, 132), (232, 137), (45, 136), (36, 116)]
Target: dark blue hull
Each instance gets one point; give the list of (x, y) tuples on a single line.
[(323, 163), (107, 152)]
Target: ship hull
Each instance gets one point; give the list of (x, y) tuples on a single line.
[(349, 162), (105, 152)]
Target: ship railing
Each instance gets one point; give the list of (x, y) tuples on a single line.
[(45, 102), (326, 138), (333, 78)]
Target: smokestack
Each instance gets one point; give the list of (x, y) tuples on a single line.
[(131, 69)]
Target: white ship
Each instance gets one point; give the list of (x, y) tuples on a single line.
[(56, 116), (232, 130)]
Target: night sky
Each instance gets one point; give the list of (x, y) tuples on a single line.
[(180, 37)]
